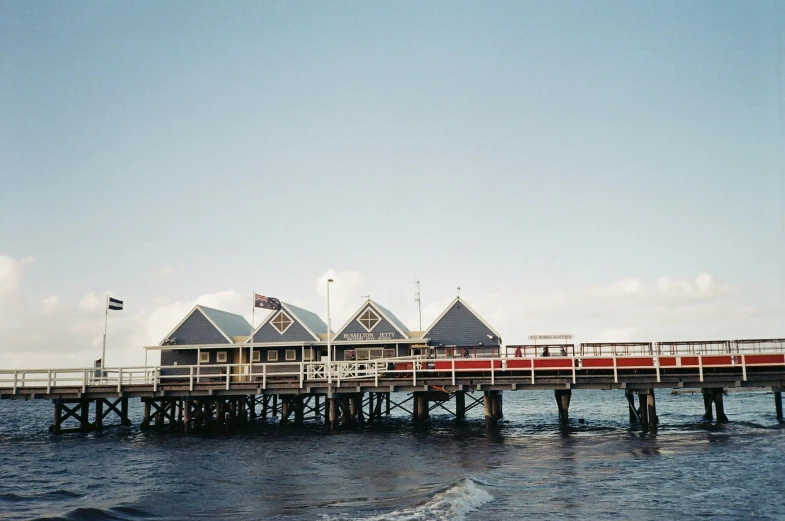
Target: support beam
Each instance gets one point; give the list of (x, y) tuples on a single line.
[(634, 413), (460, 406), (651, 404), (778, 402), (563, 404)]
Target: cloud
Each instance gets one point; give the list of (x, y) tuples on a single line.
[(49, 304), (92, 302), (11, 271), (702, 287)]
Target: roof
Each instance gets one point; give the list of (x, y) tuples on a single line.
[(458, 300), (308, 319), (230, 324), (392, 318)]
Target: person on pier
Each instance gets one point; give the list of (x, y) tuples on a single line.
[(545, 352)]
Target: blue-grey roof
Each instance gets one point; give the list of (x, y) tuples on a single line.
[(395, 320), (308, 319), (230, 323)]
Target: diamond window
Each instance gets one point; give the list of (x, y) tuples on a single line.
[(368, 319), (282, 322)]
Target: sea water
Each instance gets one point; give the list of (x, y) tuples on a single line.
[(601, 467)]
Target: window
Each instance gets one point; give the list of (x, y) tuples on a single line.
[(308, 354), (282, 322), (368, 319), (272, 356), (204, 357), (257, 356), (221, 357), (291, 354)]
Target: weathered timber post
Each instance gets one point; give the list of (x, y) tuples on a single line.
[(58, 414), (778, 402), (179, 406), (219, 411), (491, 409), (634, 415), (252, 406), (332, 413), (651, 404), (378, 410), (707, 397), (186, 415), (146, 417), (346, 411), (460, 406), (299, 410), (370, 407), (99, 413), (275, 405), (84, 418), (124, 411), (265, 405), (387, 404), (285, 411), (643, 408), (317, 407), (719, 406), (420, 410), (358, 400), (563, 404)]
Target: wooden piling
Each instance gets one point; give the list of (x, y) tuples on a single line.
[(644, 409), (460, 406), (146, 417), (719, 407), (124, 411), (492, 409), (651, 404), (778, 402), (707, 399), (332, 413), (99, 413), (421, 406), (563, 404), (634, 414), (186, 416), (58, 414)]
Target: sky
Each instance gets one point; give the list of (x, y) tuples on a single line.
[(611, 170)]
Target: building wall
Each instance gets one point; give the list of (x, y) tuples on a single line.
[(460, 327), (382, 328), (198, 330), (295, 333)]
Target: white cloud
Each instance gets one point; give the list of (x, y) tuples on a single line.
[(49, 304), (703, 286), (11, 271), (92, 302)]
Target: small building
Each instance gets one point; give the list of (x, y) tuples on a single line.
[(290, 334), (460, 331), (205, 337), (374, 332)]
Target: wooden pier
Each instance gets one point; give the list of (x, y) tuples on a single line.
[(344, 394)]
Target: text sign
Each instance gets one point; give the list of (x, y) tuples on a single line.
[(358, 337), (550, 337)]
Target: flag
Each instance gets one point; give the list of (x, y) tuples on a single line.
[(260, 301), (115, 304)]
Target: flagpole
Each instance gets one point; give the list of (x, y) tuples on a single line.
[(106, 323), (253, 321)]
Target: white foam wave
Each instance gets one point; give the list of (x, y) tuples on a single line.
[(451, 504)]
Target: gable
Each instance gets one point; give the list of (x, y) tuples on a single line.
[(459, 326), (267, 333), (381, 329), (196, 329)]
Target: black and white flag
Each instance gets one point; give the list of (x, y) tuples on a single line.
[(115, 304)]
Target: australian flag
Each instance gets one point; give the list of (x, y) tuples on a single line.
[(260, 301)]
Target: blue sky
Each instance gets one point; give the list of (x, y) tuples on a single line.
[(609, 169)]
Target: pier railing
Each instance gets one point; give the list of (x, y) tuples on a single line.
[(403, 371)]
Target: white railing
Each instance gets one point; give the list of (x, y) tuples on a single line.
[(400, 370)]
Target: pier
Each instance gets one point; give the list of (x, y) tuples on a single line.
[(343, 394)]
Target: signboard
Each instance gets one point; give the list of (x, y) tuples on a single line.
[(359, 337), (550, 337)]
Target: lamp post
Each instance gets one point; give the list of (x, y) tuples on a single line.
[(329, 333)]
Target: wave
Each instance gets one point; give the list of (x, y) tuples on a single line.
[(450, 504), (120, 513)]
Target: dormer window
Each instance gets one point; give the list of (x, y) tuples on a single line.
[(368, 319), (282, 322)]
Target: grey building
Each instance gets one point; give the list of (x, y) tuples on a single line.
[(461, 331)]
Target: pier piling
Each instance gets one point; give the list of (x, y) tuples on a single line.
[(778, 402), (563, 397)]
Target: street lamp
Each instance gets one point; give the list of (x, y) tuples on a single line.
[(329, 332)]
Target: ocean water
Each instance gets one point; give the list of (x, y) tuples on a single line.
[(600, 468)]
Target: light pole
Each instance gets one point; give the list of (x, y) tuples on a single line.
[(329, 333)]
